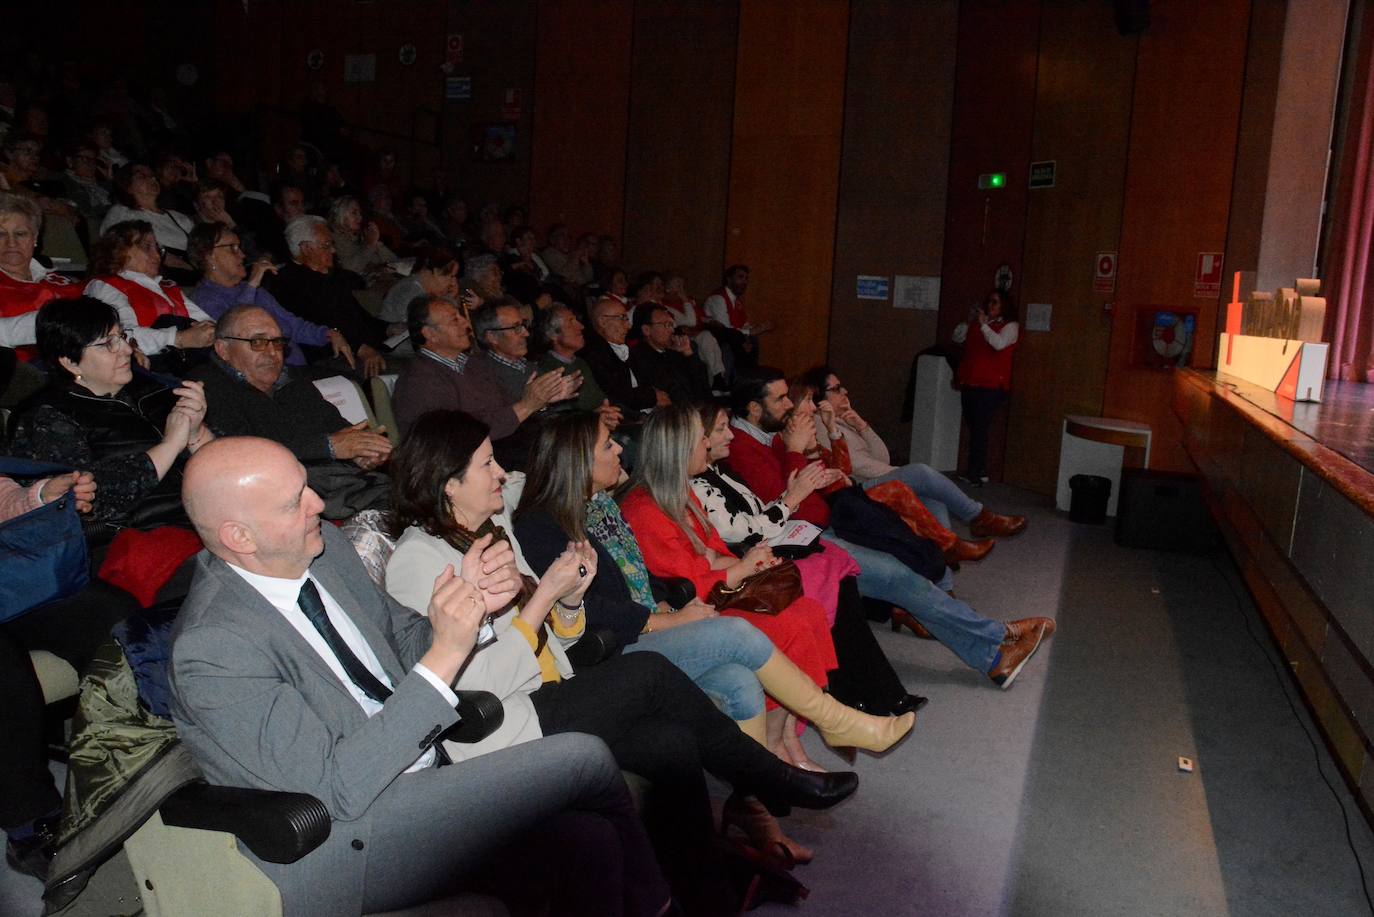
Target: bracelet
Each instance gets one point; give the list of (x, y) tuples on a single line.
[(570, 607), (568, 616)]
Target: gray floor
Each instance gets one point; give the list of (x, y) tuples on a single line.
[(1062, 796)]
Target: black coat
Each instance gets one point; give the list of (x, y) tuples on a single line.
[(327, 299), (613, 376)]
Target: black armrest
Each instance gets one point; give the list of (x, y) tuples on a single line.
[(593, 648), (676, 592), (480, 714), (277, 827)]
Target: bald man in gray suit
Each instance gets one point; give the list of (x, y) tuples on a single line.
[(291, 671)]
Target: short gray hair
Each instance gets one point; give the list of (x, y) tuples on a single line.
[(302, 230), (337, 208), (488, 318), (551, 321), (11, 204), (476, 266)]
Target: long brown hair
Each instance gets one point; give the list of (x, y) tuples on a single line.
[(560, 483)]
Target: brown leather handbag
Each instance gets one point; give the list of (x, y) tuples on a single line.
[(767, 592)]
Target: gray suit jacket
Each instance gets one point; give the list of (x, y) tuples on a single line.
[(258, 707)]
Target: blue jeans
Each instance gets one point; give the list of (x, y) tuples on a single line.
[(940, 495), (970, 636), (721, 656)]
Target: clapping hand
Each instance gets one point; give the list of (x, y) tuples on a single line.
[(490, 566), (455, 613)]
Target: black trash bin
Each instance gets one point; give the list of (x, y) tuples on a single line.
[(1089, 501)]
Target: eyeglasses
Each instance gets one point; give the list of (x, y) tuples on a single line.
[(515, 327), (839, 389), (666, 323), (616, 318), (328, 244), (113, 342), (19, 236), (234, 247), (258, 345)]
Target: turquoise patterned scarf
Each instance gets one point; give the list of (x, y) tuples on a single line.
[(606, 525)]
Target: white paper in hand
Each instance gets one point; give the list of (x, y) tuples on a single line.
[(797, 533)]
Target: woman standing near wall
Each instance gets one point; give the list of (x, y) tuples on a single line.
[(984, 375)]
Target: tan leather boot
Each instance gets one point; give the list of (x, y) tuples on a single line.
[(839, 726)]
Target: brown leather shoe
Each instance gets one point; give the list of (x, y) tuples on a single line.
[(968, 550), (1018, 628), (989, 525), (903, 618), (1016, 654)]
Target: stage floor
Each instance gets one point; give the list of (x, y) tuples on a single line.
[(1343, 421)]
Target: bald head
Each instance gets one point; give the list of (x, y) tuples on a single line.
[(248, 500), (610, 320)]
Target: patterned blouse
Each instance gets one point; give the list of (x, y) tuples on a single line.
[(735, 511)]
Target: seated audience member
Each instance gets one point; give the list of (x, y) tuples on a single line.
[(72, 629), (729, 321), (178, 180), (102, 137), (656, 721), (607, 255), (442, 337), (677, 540), (615, 283), (435, 274), (482, 273), (768, 448), (522, 271), (557, 255), (869, 459), (283, 657), (728, 658), (379, 208), (82, 182), (313, 288), (664, 359), (419, 227), (864, 676), (136, 190), (456, 225), (563, 332), (502, 388), (24, 283), (23, 174), (357, 244), (212, 206), (219, 167), (251, 394), (130, 431), (226, 282), (493, 238), (609, 357), (288, 203), (691, 321), (578, 270), (127, 269)]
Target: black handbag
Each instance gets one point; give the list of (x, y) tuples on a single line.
[(858, 518)]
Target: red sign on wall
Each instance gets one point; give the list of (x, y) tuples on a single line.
[(1104, 273), (1207, 279)]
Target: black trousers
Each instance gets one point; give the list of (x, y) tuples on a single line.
[(660, 725), (865, 678), (73, 629), (980, 405)]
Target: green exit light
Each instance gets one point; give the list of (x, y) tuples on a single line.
[(992, 180)]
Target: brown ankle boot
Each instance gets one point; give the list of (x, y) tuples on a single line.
[(963, 550), (988, 525)]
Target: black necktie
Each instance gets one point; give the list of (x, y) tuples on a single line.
[(310, 603)]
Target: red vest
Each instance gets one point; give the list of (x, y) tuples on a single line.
[(146, 304), (734, 307), (983, 366), (20, 296)]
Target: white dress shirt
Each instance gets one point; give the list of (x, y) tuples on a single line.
[(283, 593)]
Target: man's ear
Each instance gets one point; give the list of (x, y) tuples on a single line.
[(237, 537)]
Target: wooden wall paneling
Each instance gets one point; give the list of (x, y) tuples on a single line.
[(499, 48), (784, 168), (994, 110), (1253, 140), (899, 94), (1082, 121), (677, 171), (581, 114), (1184, 125)]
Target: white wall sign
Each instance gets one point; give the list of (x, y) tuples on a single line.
[(1038, 316), (915, 292)]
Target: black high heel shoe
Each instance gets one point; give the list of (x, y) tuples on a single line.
[(909, 703), (791, 786)]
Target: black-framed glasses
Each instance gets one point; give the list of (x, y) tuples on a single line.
[(114, 342), (517, 326), (258, 345), (234, 247), (616, 318), (839, 389)]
